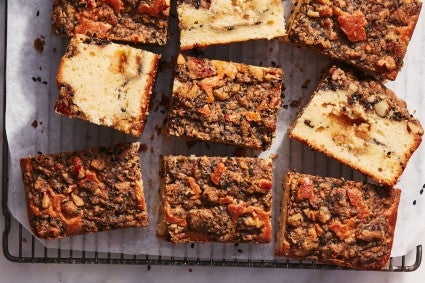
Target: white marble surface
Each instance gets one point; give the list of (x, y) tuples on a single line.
[(15, 272)]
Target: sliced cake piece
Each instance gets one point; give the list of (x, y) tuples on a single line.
[(338, 222), (84, 191), (106, 84), (215, 199), (372, 35), (143, 21), (225, 102), (358, 121), (208, 22)]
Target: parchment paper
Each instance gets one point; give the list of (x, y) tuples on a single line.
[(32, 127)]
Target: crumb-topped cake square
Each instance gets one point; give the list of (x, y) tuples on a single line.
[(225, 102), (338, 222), (135, 21), (84, 191), (371, 35), (215, 199)]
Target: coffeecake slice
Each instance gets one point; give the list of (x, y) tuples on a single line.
[(208, 22), (372, 35), (225, 102), (106, 83), (358, 121), (84, 191), (338, 222), (215, 199), (135, 21)]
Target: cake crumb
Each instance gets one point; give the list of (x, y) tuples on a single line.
[(39, 44)]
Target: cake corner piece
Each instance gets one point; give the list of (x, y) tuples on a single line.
[(145, 22)]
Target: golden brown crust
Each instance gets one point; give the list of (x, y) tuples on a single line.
[(360, 116), (215, 199), (84, 191), (338, 222), (225, 102), (124, 20), (372, 35)]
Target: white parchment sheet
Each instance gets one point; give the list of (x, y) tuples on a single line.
[(31, 92)]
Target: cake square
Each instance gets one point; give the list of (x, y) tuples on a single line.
[(143, 21), (371, 35), (215, 199), (209, 22), (106, 84), (225, 102), (358, 121), (339, 222), (84, 191)]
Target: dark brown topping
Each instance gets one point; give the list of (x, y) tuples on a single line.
[(372, 35), (215, 199), (84, 191), (225, 102), (127, 20), (348, 223)]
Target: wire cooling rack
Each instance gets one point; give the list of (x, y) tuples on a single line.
[(20, 246)]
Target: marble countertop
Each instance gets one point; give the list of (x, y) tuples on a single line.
[(15, 272)]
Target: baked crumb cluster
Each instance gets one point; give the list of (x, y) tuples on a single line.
[(337, 221), (124, 20), (225, 102), (221, 199), (372, 35), (85, 191)]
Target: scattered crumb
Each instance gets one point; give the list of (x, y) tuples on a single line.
[(240, 251), (273, 156), (190, 269), (38, 13), (39, 44), (24, 240), (285, 106), (150, 183), (152, 137), (54, 49), (149, 267), (39, 152), (34, 124), (143, 147), (306, 84), (192, 245)]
